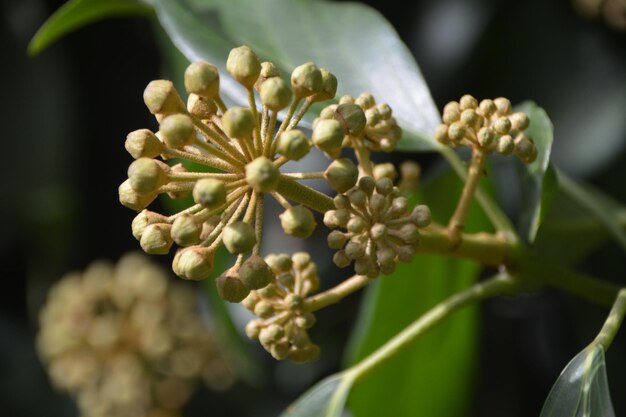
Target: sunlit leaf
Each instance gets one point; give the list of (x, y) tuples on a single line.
[(77, 13), (582, 389), (327, 398)]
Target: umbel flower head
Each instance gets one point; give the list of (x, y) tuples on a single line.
[(125, 342)]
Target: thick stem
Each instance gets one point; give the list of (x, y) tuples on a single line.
[(613, 322), (304, 195), (336, 294)]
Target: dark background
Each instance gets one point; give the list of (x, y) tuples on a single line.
[(66, 112)]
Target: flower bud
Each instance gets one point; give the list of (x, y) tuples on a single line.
[(132, 199), (275, 93), (185, 230), (341, 259), (239, 237), (306, 320), (253, 329), (255, 273), (487, 107), (262, 175), (384, 186), (209, 192), (441, 134), (161, 98), (244, 66), (519, 121), (203, 79), (356, 225), (505, 145), (298, 221), (293, 144), (358, 198), (143, 220), (470, 118), (238, 122), (193, 263), (341, 174), (341, 201), (467, 102), (177, 131), (336, 239), (486, 137), (308, 354), (365, 101), (156, 239), (201, 107), (143, 143), (503, 105), (306, 80), (328, 134), (329, 87), (271, 334), (354, 250), (301, 260), (352, 118), (378, 231), (420, 215), (230, 288), (378, 204), (146, 175), (281, 262), (386, 170), (409, 233), (456, 131), (268, 70), (502, 125), (525, 148), (264, 309)]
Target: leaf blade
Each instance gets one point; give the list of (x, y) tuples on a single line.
[(325, 399)]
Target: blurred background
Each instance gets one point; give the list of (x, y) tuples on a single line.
[(65, 115)]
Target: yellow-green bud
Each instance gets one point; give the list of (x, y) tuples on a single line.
[(409, 233), (352, 118), (279, 262), (238, 122), (341, 259), (367, 184), (420, 215), (253, 329), (156, 239), (143, 220), (452, 106), (161, 98), (132, 199), (306, 80), (378, 231), (487, 107), (186, 230), (201, 107), (502, 125), (306, 320), (147, 175), (294, 301), (365, 100), (525, 148), (177, 131), (239, 237), (193, 263), (275, 93), (255, 273), (341, 174), (250, 301), (378, 203), (230, 288), (456, 131), (271, 334), (505, 145), (341, 201), (441, 134), (293, 144), (486, 137), (143, 143), (503, 105), (337, 239), (519, 121), (203, 79), (243, 65), (328, 134), (358, 198), (329, 87), (347, 99), (384, 186), (209, 192), (264, 309), (300, 260), (262, 174), (467, 102), (298, 221), (470, 118), (386, 170), (268, 70)]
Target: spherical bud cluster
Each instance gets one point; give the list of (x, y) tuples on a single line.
[(124, 341), (283, 320), (489, 125), (374, 227)]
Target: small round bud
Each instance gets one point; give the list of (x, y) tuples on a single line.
[(203, 79), (386, 170), (185, 230), (209, 192), (264, 309), (146, 175), (250, 301), (293, 301), (230, 288), (347, 99), (452, 106), (308, 354), (341, 201), (365, 100), (352, 118), (505, 145), (329, 87), (399, 206), (239, 237), (143, 143), (255, 273), (238, 122), (410, 172), (262, 175), (341, 174), (143, 220), (298, 221), (470, 118), (456, 131), (306, 80), (301, 260), (253, 329), (519, 121), (243, 65), (487, 107), (486, 137), (378, 231), (525, 148), (328, 134), (367, 184), (378, 203), (358, 198), (336, 239), (293, 144), (467, 102), (275, 93), (441, 134), (271, 334), (193, 263), (162, 98), (503, 105), (177, 131), (356, 225), (409, 233), (341, 259), (156, 239), (132, 199), (354, 250), (502, 125), (201, 107), (305, 320), (420, 215)]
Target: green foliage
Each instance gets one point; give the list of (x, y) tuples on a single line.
[(325, 399)]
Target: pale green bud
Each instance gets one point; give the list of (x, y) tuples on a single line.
[(486, 136), (352, 118), (519, 121), (306, 80), (456, 131), (146, 175), (209, 192), (329, 87), (250, 301), (156, 239), (185, 230), (337, 239), (386, 170), (161, 98), (487, 107), (502, 125), (294, 301), (271, 334), (143, 220), (300, 260), (441, 134), (341, 201), (503, 105), (365, 100), (193, 263), (384, 186), (347, 99), (298, 221), (467, 102), (201, 107), (341, 174), (262, 175), (420, 216), (275, 93), (264, 309), (505, 145), (306, 320), (253, 329), (356, 225), (203, 79), (238, 122), (367, 184), (354, 250), (255, 273), (280, 350), (280, 262), (230, 288), (328, 134), (378, 203), (365, 266), (358, 198), (239, 237), (525, 148), (341, 259), (132, 199), (470, 118), (409, 233), (293, 144), (177, 131), (378, 231), (143, 143), (243, 65)]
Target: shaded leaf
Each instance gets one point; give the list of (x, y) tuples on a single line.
[(327, 398), (78, 13), (582, 389), (352, 40)]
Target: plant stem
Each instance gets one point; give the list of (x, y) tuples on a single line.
[(613, 322), (304, 195), (336, 294)]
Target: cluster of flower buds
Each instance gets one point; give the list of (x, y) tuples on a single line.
[(125, 342), (356, 123), (379, 228), (283, 321), (489, 126)]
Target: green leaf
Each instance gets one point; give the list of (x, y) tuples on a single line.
[(421, 379), (352, 40), (538, 180), (582, 389), (78, 13), (327, 398)]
